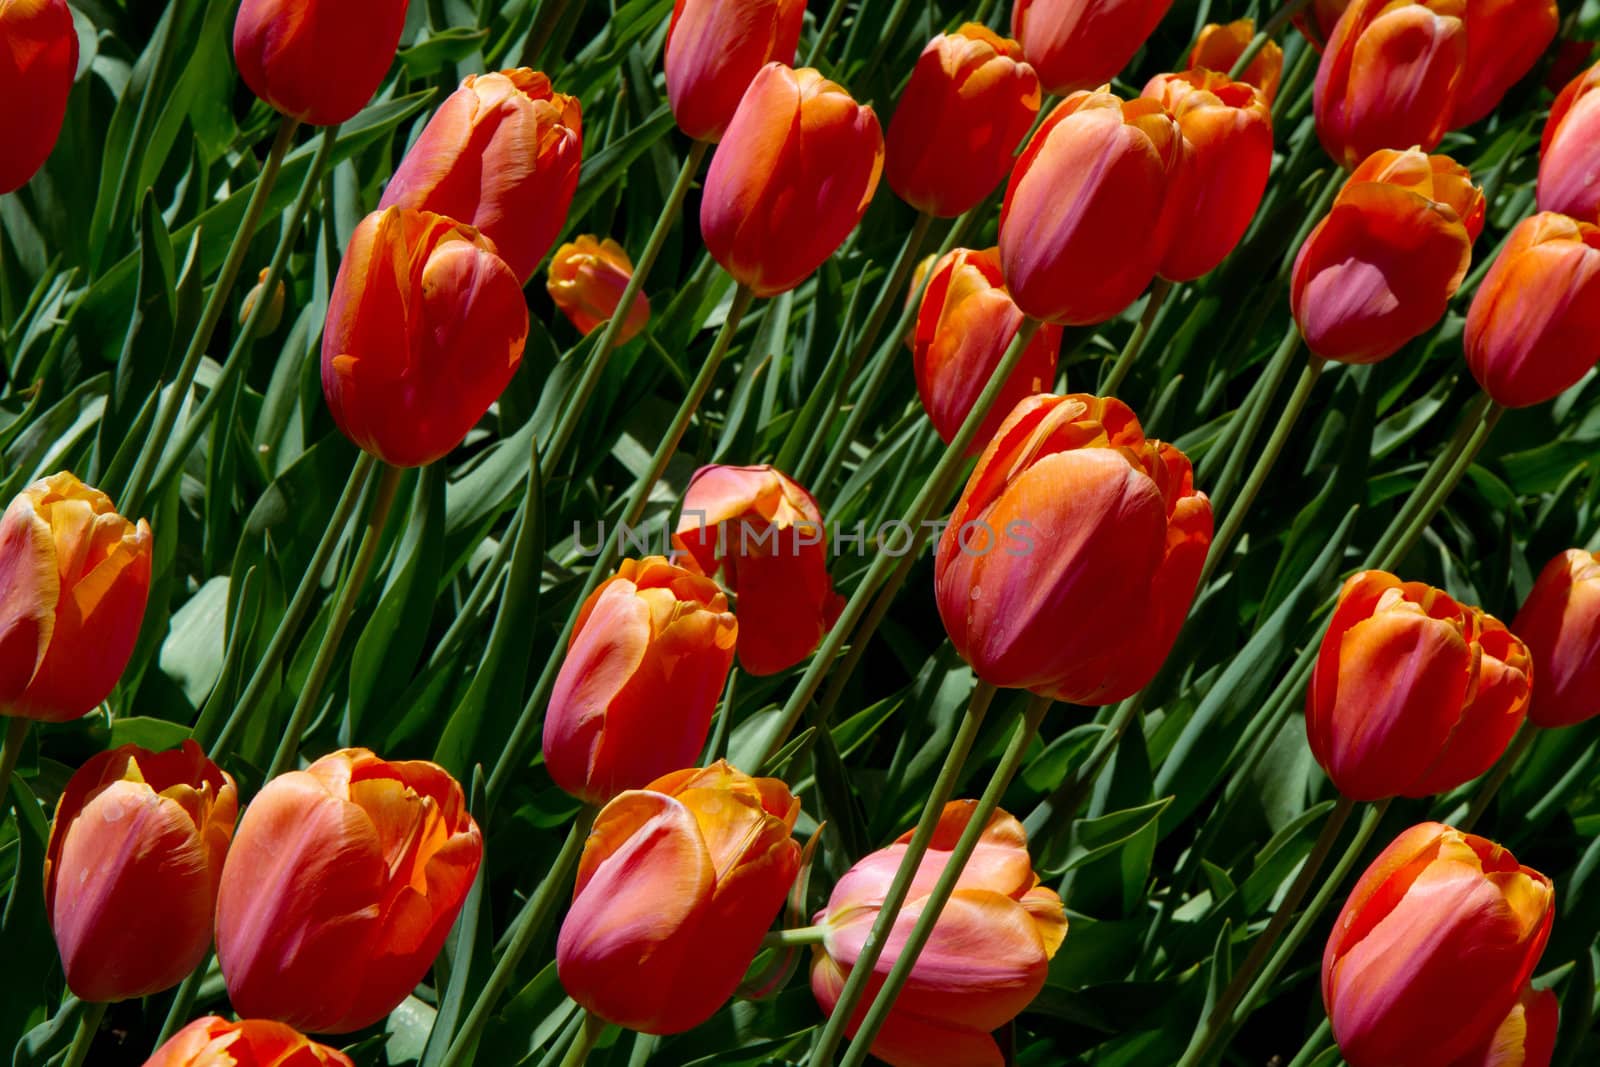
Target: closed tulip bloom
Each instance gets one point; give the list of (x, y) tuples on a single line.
[(970, 102), (1505, 38), (646, 664), (1391, 77), (215, 1042), (1560, 621), (131, 872), (1381, 268), (1080, 222), (1071, 559), (1443, 925), (1534, 327), (963, 328), (1219, 47), (342, 883), (586, 281), (1413, 694), (985, 962), (1525, 1038), (501, 155), (678, 884), (1078, 44), (714, 50), (425, 328), (767, 533), (919, 274), (318, 61), (1569, 152), (74, 578), (38, 61)]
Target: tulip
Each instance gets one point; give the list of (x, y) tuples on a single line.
[(273, 315), (1560, 621), (37, 65), (1526, 1037), (1505, 38), (768, 532), (587, 278), (1534, 326), (130, 875), (986, 960), (342, 883), (501, 155), (647, 661), (1391, 77), (1072, 556), (1078, 44), (426, 326), (1413, 694), (74, 578), (318, 61), (678, 884), (970, 102), (1569, 152), (1227, 126), (1381, 268), (715, 49), (792, 177), (963, 328), (1444, 925), (215, 1042), (919, 275), (1219, 47), (1079, 225)]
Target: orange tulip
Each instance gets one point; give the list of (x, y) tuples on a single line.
[(1071, 559), (425, 328), (215, 1042), (678, 884), (1560, 621), (1443, 925), (985, 962), (273, 315), (130, 875), (501, 155), (37, 64), (1534, 326), (1525, 1038), (646, 664), (341, 885), (1569, 152), (1413, 694), (1219, 47), (1392, 76), (586, 281), (1079, 225), (318, 61), (1228, 128), (919, 274), (768, 533), (970, 102), (1505, 38), (1382, 267), (1078, 44), (74, 578), (715, 49), (964, 326)]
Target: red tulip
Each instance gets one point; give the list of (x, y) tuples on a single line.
[(214, 1042), (1505, 38), (37, 65), (1078, 44), (1560, 621), (587, 280), (1569, 152), (714, 50), (318, 61), (1525, 1038), (1219, 47)]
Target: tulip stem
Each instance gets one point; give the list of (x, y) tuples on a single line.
[(588, 1037), (1441, 492), (1235, 440), (1159, 292), (804, 935), (1010, 763), (1061, 805), (1271, 29), (1497, 778), (830, 26), (1313, 1044), (183, 1002), (10, 753), (1431, 479), (88, 1027)]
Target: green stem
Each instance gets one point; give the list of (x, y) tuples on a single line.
[(10, 752), (830, 26), (548, 18), (1313, 1045), (1289, 87), (1336, 181), (1061, 805), (1497, 778), (1136, 340), (588, 1038), (863, 637), (88, 1026), (1431, 480), (805, 935), (1441, 492), (1234, 443), (183, 1002)]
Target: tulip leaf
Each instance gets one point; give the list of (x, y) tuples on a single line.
[(1090, 839)]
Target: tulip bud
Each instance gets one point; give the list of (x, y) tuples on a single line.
[(74, 578), (1534, 326), (648, 658), (1219, 47), (587, 278), (130, 875), (1227, 126), (214, 1042), (918, 275), (1391, 77), (39, 63), (1071, 559), (342, 883), (792, 177), (426, 326), (1526, 1037), (501, 155), (1413, 694), (318, 61), (678, 884), (1569, 152), (1505, 38), (273, 315), (1560, 621), (984, 963), (970, 102), (1078, 44), (1079, 225), (1382, 267), (1441, 921), (965, 325), (714, 50)]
